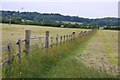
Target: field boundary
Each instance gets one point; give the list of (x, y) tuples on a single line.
[(46, 43)]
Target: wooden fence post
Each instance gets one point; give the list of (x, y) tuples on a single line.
[(74, 36), (51, 41), (60, 39), (27, 41), (85, 33), (19, 43), (71, 36), (64, 39), (10, 56), (81, 33), (47, 39), (57, 39)]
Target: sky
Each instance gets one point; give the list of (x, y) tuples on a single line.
[(86, 9)]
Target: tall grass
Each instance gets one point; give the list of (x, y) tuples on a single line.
[(56, 61)]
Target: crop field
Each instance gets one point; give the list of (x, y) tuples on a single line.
[(91, 56)]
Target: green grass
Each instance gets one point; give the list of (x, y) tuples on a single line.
[(71, 68), (108, 44), (109, 51), (58, 62)]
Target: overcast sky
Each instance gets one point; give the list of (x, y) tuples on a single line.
[(91, 9)]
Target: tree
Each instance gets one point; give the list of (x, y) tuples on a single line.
[(16, 20)]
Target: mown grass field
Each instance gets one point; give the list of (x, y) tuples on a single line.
[(102, 52), (69, 60)]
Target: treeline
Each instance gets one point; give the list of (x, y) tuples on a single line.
[(69, 25), (16, 20), (55, 20), (45, 17), (112, 28)]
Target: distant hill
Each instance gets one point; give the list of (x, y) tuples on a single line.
[(39, 17)]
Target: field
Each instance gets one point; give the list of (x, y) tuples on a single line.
[(92, 56), (15, 32)]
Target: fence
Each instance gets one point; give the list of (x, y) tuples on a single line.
[(9, 60), (48, 41)]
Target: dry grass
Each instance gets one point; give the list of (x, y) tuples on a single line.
[(102, 52), (57, 62), (11, 33), (102, 45)]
